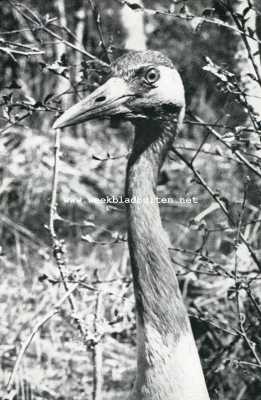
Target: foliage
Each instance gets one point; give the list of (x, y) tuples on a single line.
[(215, 241)]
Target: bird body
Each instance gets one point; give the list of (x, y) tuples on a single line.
[(147, 89)]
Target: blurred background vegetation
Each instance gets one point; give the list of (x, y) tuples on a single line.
[(40, 75)]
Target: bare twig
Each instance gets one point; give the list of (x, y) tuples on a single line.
[(58, 245), (245, 38), (98, 22), (53, 205), (254, 301), (241, 317), (72, 46), (10, 52), (222, 206), (18, 120), (189, 17), (238, 154), (97, 350), (249, 343), (213, 125), (35, 20)]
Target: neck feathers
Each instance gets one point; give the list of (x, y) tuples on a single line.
[(154, 277), (168, 362)]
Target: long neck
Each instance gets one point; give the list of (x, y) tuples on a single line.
[(153, 273), (168, 362)]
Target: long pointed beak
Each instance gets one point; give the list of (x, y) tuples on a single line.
[(107, 100)]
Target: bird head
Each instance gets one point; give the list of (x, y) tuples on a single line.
[(142, 85)]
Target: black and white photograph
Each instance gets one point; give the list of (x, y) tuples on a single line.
[(130, 199)]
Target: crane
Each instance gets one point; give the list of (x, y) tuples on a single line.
[(146, 88)]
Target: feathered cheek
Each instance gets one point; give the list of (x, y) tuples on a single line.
[(169, 89), (165, 94)]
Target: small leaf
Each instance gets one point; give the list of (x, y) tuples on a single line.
[(88, 223), (5, 113), (42, 64), (58, 68), (88, 239), (246, 10), (30, 100), (228, 136), (97, 158), (134, 6), (218, 151), (64, 60), (196, 23), (42, 277), (184, 10), (252, 76), (115, 235)]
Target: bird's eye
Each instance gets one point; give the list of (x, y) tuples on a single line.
[(152, 76)]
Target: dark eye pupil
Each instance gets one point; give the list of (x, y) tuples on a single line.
[(152, 76)]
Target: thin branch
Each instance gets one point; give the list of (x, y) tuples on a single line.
[(236, 152), (11, 52), (254, 301), (189, 17), (211, 323), (11, 124), (72, 46), (220, 203), (245, 37), (98, 22), (40, 24), (214, 125), (241, 318), (53, 205), (58, 245), (97, 350)]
